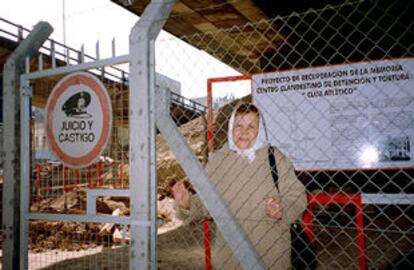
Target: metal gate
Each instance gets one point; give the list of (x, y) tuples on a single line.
[(84, 216), (62, 206)]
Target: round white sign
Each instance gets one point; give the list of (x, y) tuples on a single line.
[(78, 119)]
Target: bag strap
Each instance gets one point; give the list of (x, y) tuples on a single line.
[(273, 167)]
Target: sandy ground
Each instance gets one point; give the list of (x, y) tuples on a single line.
[(41, 260), (387, 241), (177, 249), (181, 247)]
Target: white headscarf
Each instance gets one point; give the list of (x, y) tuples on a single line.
[(261, 139)]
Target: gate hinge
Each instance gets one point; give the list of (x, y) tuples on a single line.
[(27, 91)]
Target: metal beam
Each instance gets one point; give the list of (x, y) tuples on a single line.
[(142, 162), (11, 141)]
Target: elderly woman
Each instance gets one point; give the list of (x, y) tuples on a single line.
[(242, 173)]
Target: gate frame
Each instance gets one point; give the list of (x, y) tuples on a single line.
[(25, 116), (12, 147), (142, 133), (143, 217)]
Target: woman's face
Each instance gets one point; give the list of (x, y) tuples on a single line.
[(245, 130)]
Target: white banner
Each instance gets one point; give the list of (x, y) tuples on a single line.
[(341, 117)]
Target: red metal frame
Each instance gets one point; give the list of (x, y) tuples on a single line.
[(307, 222), (121, 172), (40, 188), (338, 198), (69, 174), (207, 239), (118, 166), (98, 182), (68, 187), (210, 81), (313, 198)]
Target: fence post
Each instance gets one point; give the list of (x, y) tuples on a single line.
[(11, 141), (142, 134)]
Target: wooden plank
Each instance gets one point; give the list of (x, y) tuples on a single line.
[(204, 4), (241, 63), (181, 8), (249, 10), (265, 31)]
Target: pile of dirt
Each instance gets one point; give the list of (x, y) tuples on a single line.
[(168, 169), (61, 235)]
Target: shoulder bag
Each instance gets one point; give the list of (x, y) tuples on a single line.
[(303, 251)]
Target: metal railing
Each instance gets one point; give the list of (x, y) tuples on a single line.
[(187, 103), (65, 55)]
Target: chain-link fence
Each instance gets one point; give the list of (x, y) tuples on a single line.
[(329, 89), (333, 88)]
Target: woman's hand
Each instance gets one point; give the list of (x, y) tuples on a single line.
[(181, 195), (274, 208)]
